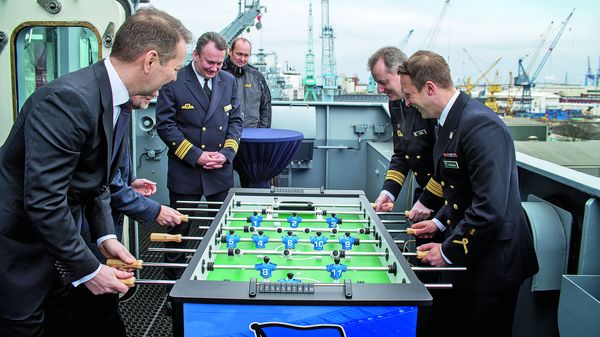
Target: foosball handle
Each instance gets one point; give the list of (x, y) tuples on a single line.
[(390, 205), (163, 237), (130, 282), (116, 263), (184, 218), (407, 214), (410, 231), (422, 253)]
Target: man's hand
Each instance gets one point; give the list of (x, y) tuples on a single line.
[(144, 187), (425, 229), (434, 257), (107, 281), (210, 160), (168, 216), (382, 203), (419, 212), (112, 248), (217, 161)]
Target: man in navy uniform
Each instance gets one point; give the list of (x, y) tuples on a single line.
[(199, 119), (413, 140), (485, 227)]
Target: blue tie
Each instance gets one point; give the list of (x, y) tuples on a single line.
[(120, 128)]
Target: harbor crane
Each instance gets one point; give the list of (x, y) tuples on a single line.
[(524, 80), (433, 34), (405, 40), (589, 76), (244, 20), (309, 79)]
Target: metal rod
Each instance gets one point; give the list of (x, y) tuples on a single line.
[(185, 209), (308, 241), (396, 230), (301, 211), (439, 268), (286, 229), (393, 221), (283, 204), (200, 202), (202, 217), (163, 264), (303, 220), (155, 282), (171, 250), (438, 285), (227, 266)]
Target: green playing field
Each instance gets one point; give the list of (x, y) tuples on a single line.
[(275, 243)]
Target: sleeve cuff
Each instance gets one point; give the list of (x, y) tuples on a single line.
[(390, 195), (444, 256), (104, 238), (87, 278), (440, 226)]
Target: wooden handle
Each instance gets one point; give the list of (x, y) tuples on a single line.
[(422, 253), (130, 282), (184, 218), (390, 205), (163, 237), (410, 231), (116, 263), (407, 214)]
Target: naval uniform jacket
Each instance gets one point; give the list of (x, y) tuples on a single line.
[(54, 167), (486, 230), (414, 138), (190, 125)]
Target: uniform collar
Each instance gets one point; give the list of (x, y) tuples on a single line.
[(120, 94), (447, 108)]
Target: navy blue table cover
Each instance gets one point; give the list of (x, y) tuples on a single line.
[(264, 154)]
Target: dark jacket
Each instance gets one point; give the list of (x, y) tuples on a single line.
[(253, 93), (486, 230), (54, 166), (189, 126), (414, 138)]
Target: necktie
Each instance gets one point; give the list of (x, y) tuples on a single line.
[(119, 129), (207, 89), (437, 128)]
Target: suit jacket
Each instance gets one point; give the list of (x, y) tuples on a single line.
[(487, 232), (54, 167), (414, 138), (190, 125)]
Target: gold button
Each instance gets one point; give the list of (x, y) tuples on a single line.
[(174, 143), (220, 128), (204, 128), (445, 202), (448, 222), (202, 146), (416, 174), (219, 145), (443, 184), (455, 206), (418, 157), (406, 157), (429, 174), (452, 186)]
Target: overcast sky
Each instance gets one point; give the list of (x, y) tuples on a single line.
[(510, 29)]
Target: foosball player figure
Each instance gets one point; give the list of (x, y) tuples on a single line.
[(276, 207), (290, 240), (336, 269), (265, 268), (347, 242), (232, 239), (319, 213), (269, 212), (294, 220), (256, 219), (333, 221), (318, 243), (260, 241), (290, 279)]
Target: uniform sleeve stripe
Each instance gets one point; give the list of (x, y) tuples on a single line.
[(395, 176), (232, 144), (435, 188), (183, 149)]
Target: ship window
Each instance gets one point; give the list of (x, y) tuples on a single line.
[(44, 53)]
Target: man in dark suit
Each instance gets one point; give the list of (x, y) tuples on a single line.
[(56, 164), (199, 118), (486, 230), (413, 140)]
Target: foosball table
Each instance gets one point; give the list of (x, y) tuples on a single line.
[(297, 262)]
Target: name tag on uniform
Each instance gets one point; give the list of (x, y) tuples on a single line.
[(451, 164), (420, 133), (227, 107), (450, 155), (248, 85)]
